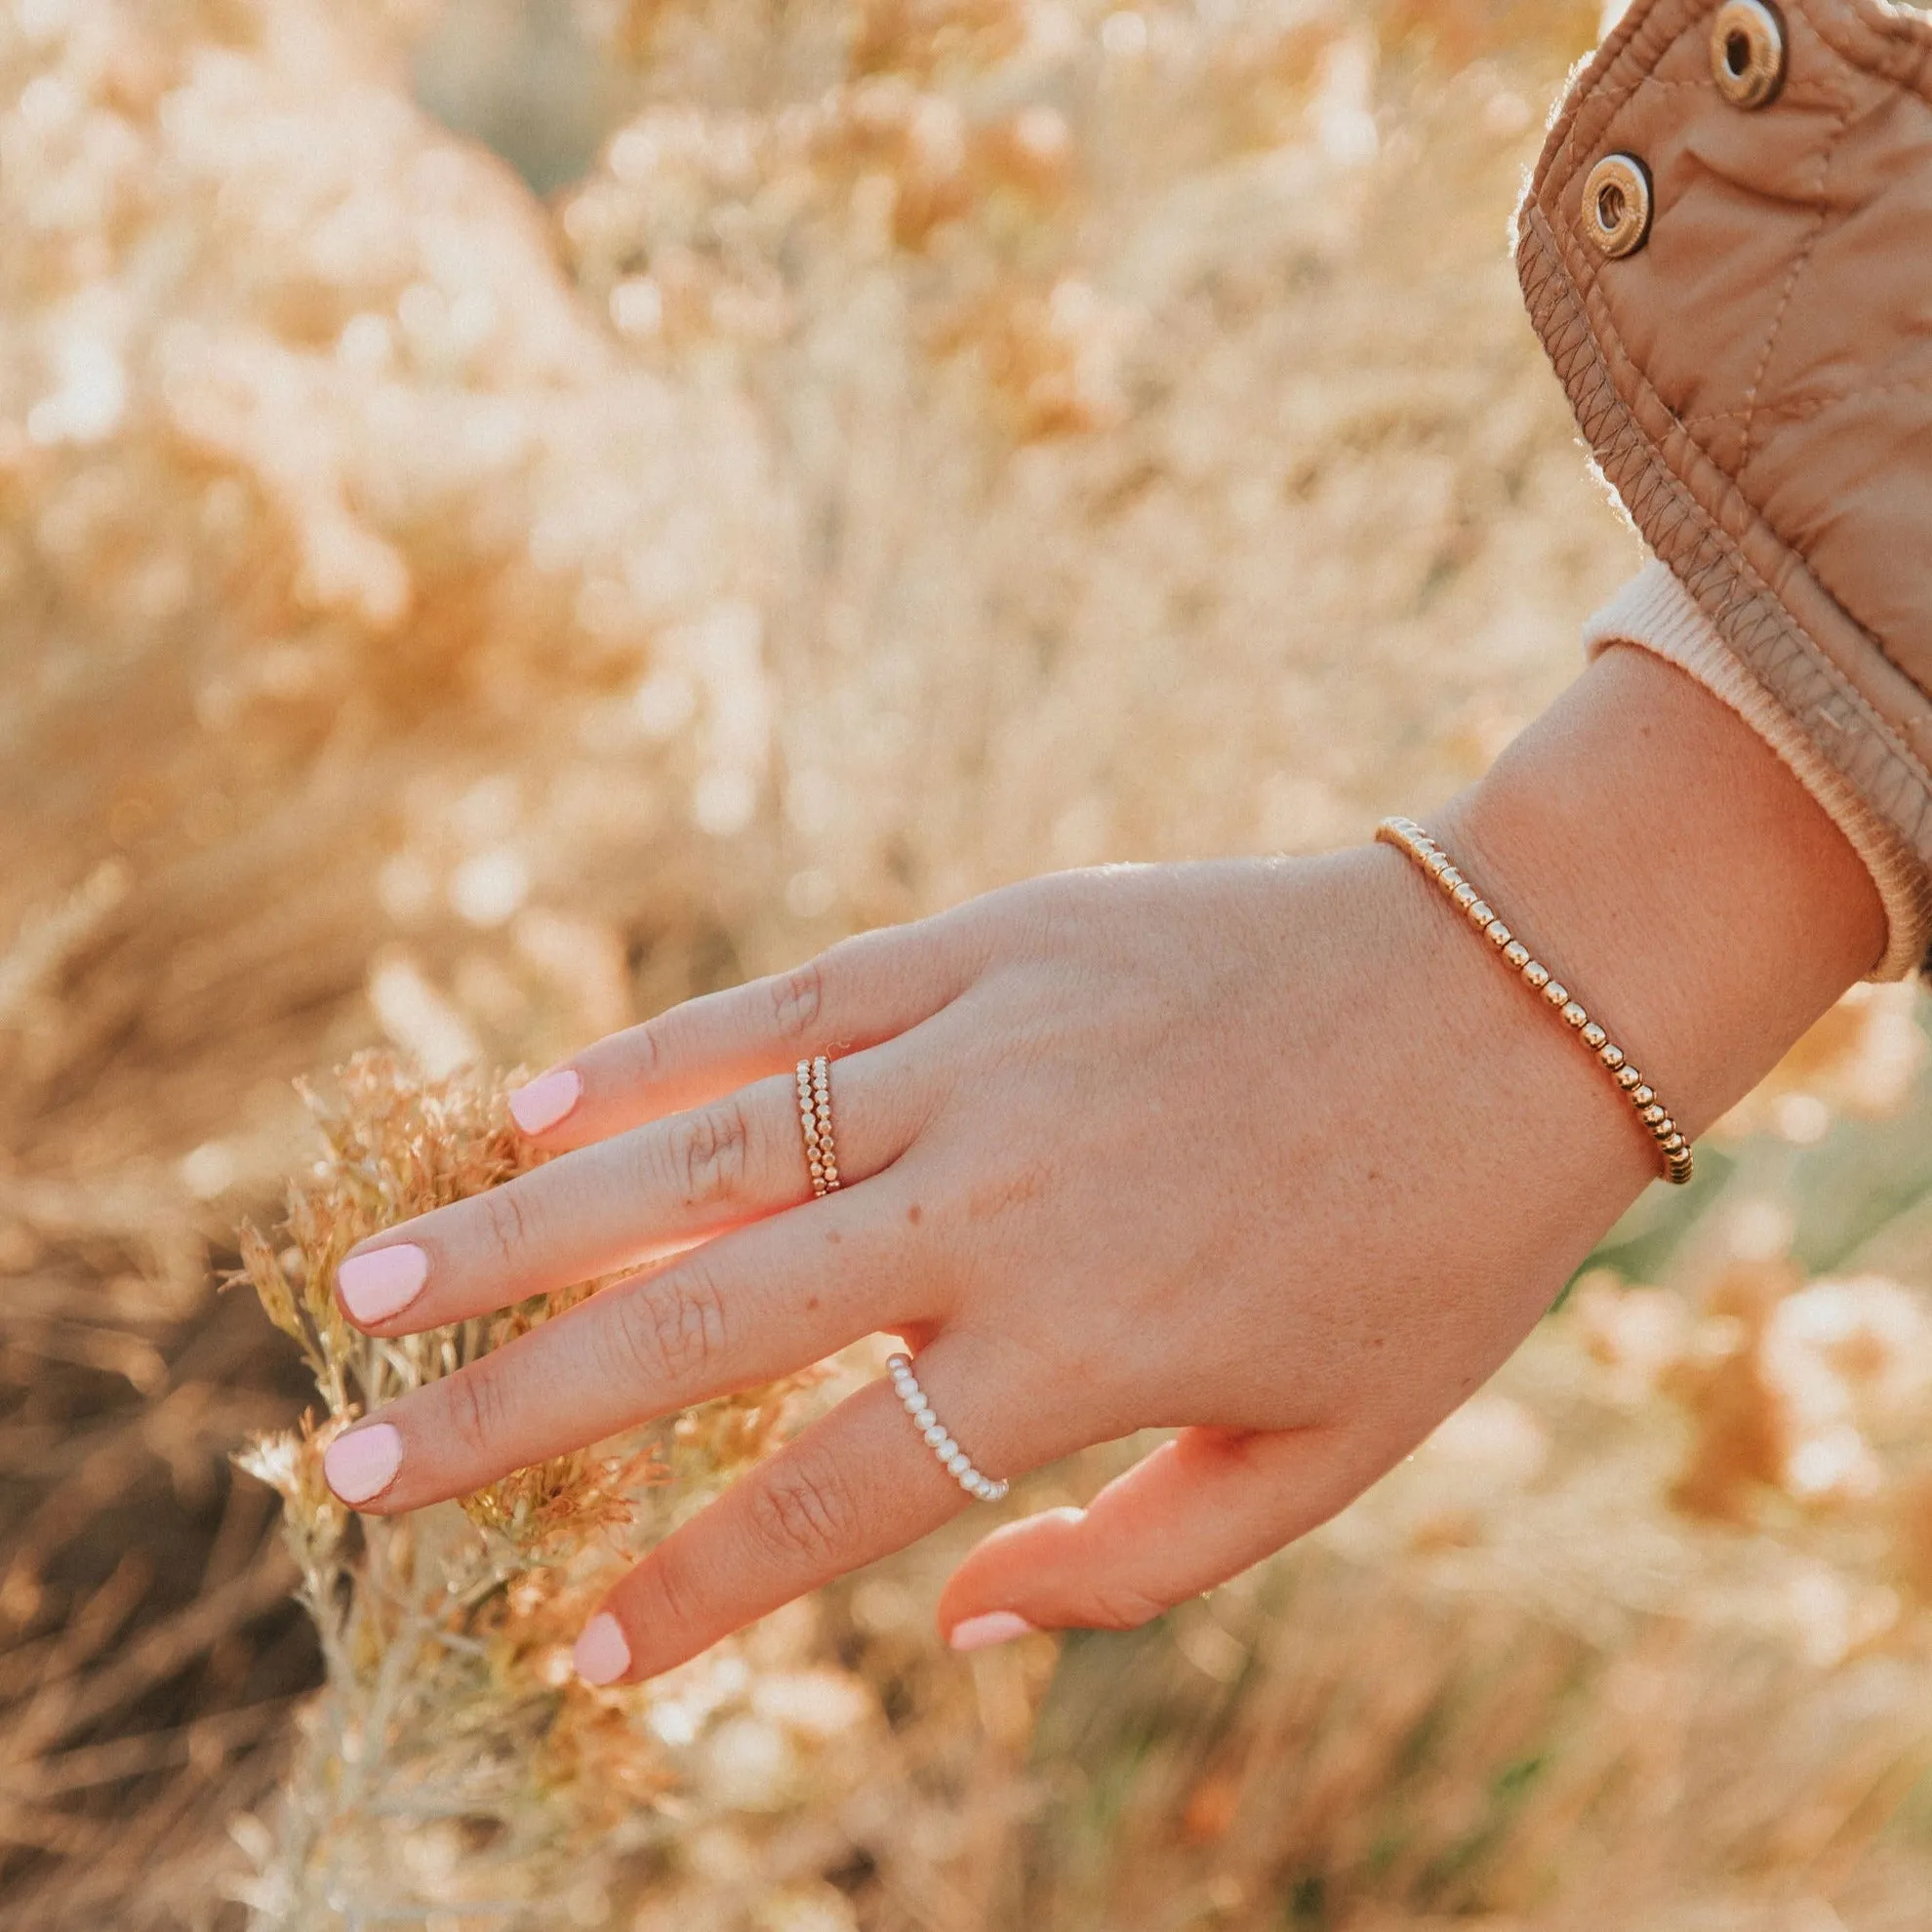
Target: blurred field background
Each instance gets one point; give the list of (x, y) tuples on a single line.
[(512, 515)]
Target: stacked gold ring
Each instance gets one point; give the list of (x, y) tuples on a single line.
[(815, 1115), (1414, 842)]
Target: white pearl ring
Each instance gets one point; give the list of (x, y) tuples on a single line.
[(953, 1458)]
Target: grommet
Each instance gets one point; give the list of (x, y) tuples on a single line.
[(1747, 52), (1616, 204)]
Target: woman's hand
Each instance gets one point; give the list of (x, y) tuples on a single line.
[(1272, 1152)]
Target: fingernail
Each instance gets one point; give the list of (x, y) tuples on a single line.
[(363, 1463), (601, 1655), (546, 1099), (994, 1626), (383, 1282)]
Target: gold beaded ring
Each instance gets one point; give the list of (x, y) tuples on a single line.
[(815, 1117), (1415, 843)]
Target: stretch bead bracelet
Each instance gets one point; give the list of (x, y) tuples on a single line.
[(1672, 1149)]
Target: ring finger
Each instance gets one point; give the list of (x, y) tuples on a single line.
[(625, 1200), (857, 1486)]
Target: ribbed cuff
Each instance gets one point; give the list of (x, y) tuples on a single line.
[(1656, 612)]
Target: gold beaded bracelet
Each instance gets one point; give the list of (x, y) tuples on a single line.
[(1410, 838)]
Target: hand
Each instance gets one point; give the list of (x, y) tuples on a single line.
[(1272, 1152)]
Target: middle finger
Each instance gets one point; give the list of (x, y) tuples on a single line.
[(617, 1202), (740, 1311)]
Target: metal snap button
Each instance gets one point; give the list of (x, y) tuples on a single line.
[(1616, 204), (1747, 52)]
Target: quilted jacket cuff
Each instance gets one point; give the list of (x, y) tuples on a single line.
[(1726, 252), (1656, 612)]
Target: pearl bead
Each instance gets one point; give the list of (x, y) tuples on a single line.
[(935, 1434)]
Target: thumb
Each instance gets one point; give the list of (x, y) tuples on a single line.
[(1199, 1509)]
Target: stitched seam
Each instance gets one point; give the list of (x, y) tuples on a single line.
[(1604, 342), (1847, 107), (1611, 107), (1796, 409), (1872, 42)]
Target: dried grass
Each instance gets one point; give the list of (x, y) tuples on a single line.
[(932, 441)]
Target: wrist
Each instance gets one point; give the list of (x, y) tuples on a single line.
[(1654, 851)]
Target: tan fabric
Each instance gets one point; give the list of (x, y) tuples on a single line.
[(1656, 611), (1757, 378)]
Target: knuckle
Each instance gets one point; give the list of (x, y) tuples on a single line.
[(679, 1599), (508, 1222), (708, 1153), (644, 1051), (803, 1513), (671, 1329), (797, 999), (475, 1414), (1121, 1606)]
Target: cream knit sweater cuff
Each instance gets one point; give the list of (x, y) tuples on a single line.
[(1655, 611)]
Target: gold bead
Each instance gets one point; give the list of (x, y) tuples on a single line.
[(1427, 854)]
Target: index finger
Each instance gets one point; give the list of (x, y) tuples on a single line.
[(628, 1199), (865, 990)]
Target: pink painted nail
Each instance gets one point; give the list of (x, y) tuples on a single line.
[(383, 1282), (601, 1655), (363, 1463), (546, 1099), (994, 1626)]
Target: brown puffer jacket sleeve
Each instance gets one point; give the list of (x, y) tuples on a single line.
[(1726, 249)]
